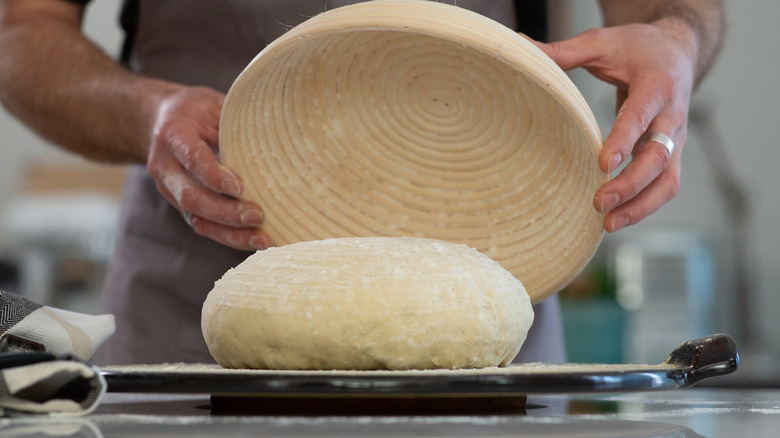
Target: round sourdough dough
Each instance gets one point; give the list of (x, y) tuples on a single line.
[(366, 303)]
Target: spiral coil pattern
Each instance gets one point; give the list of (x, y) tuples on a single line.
[(392, 130)]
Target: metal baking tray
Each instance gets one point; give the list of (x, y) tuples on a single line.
[(688, 364)]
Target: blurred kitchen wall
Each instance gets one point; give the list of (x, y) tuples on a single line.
[(735, 106)]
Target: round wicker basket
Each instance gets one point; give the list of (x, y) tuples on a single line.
[(417, 118)]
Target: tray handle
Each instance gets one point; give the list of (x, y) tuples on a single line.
[(701, 358)]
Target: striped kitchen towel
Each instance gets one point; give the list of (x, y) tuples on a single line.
[(28, 326)]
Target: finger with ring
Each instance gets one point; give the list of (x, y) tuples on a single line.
[(658, 137)]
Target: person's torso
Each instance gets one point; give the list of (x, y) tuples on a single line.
[(208, 42)]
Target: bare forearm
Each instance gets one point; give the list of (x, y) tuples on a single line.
[(64, 87), (700, 23), (69, 91)]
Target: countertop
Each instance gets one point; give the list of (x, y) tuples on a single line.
[(689, 412)]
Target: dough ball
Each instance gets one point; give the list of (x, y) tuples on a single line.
[(366, 303)]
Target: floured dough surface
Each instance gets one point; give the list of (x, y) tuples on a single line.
[(367, 303)]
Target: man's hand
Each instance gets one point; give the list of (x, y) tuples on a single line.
[(183, 162), (654, 76), (654, 52)]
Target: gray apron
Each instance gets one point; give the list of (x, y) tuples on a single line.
[(161, 271)]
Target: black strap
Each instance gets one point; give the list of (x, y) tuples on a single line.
[(128, 19), (532, 18)]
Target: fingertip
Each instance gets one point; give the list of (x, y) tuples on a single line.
[(261, 241), (230, 184), (547, 48), (615, 160), (605, 160), (604, 202), (230, 188), (252, 218), (616, 222)]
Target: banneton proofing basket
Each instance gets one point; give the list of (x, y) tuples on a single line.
[(416, 118)]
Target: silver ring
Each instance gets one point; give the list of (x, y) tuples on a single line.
[(187, 218), (659, 137)]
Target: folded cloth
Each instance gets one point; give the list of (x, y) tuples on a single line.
[(54, 388), (42, 355), (28, 326)]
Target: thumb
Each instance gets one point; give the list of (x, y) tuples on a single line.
[(571, 53)]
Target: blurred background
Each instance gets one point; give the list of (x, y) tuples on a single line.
[(707, 262)]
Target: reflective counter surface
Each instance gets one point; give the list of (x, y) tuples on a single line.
[(691, 412)]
